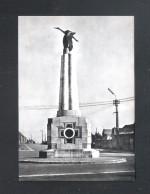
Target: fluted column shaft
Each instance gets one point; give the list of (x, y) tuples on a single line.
[(68, 93), (73, 89)]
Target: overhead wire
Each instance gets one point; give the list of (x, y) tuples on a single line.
[(81, 105)]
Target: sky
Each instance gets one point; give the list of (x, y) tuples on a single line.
[(104, 58)]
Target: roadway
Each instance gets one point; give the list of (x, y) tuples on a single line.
[(76, 172)]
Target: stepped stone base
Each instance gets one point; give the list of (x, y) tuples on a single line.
[(74, 153)]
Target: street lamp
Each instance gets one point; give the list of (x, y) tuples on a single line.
[(42, 135), (112, 92), (45, 137), (116, 102)]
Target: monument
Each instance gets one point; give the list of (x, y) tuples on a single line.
[(68, 134)]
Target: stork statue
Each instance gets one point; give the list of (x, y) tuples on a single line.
[(67, 39)]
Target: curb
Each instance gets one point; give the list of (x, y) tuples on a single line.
[(109, 161)]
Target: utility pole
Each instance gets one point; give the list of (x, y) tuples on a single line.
[(116, 102), (42, 135)]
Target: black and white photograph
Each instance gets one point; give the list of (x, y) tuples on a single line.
[(76, 98)]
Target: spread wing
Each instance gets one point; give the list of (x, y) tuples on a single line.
[(59, 29)]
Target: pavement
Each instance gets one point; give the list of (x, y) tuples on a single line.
[(77, 172)]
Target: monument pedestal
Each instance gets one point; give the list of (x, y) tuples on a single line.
[(68, 132), (69, 137)]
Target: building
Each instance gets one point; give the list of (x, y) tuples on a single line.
[(107, 134), (22, 138), (96, 140), (126, 137), (109, 138)]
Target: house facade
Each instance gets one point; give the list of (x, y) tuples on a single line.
[(109, 138), (22, 138)]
